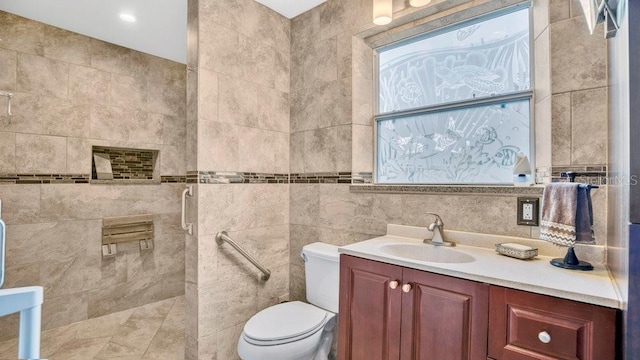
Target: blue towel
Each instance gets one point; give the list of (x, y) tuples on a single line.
[(567, 214)]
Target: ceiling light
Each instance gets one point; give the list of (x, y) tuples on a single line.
[(126, 17), (382, 11), (418, 3)]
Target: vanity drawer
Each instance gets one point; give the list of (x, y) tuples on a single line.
[(532, 326)]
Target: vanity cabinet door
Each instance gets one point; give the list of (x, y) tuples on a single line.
[(369, 313), (532, 326), (443, 318)]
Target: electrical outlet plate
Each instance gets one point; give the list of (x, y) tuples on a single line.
[(528, 211)]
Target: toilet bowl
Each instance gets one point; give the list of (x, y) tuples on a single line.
[(297, 330)]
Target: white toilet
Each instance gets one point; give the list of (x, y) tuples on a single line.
[(297, 330)]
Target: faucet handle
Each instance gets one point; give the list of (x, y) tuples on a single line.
[(438, 221)]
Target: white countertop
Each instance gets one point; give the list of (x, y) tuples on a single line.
[(536, 275)]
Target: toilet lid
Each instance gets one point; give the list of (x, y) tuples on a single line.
[(285, 321)]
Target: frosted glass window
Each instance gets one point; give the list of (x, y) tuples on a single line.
[(455, 104), (485, 58), (465, 146)]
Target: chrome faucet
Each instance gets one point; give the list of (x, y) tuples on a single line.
[(437, 228)]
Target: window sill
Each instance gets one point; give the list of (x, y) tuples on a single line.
[(506, 190)]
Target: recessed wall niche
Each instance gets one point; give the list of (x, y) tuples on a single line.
[(124, 165)]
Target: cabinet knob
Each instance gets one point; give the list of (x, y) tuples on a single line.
[(406, 288), (544, 337), (393, 284)]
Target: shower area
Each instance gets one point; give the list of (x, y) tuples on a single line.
[(98, 145), (108, 251)]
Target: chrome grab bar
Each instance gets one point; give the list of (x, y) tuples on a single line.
[(183, 217), (223, 236)]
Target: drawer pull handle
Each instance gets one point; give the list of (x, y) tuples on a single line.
[(406, 288), (544, 337), (393, 284)]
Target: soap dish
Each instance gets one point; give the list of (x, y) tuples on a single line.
[(518, 251)]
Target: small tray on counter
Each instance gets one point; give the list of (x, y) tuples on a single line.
[(517, 251)]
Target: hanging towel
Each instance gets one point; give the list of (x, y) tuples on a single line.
[(567, 214)]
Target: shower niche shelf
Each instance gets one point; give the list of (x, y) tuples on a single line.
[(112, 165)]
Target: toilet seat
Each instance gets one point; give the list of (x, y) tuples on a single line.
[(284, 323)]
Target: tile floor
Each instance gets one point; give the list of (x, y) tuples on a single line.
[(154, 331)]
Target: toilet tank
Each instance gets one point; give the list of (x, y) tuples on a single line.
[(322, 274)]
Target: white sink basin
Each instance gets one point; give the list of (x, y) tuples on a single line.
[(428, 253)]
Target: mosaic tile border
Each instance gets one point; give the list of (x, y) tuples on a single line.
[(448, 189), (44, 178), (594, 175), (227, 177), (18, 179), (230, 177)]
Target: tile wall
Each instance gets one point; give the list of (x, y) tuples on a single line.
[(238, 141), (72, 92)]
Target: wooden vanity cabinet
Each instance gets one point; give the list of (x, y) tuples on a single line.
[(525, 326), (390, 312)]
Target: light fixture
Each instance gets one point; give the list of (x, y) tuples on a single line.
[(382, 11), (126, 17), (418, 3)]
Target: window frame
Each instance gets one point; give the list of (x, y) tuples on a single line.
[(460, 104)]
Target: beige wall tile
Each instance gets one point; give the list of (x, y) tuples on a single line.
[(543, 132), (78, 156), (146, 127), (7, 152), (63, 117), (42, 76), (336, 17), (561, 129), (304, 204), (363, 100), (218, 148), (541, 15), (320, 65), (20, 203), (172, 160), (589, 127), (9, 66), (166, 99), (241, 207), (67, 46), (110, 58), (344, 55), (26, 114), (578, 60), (257, 61), (110, 123), (559, 10), (75, 202), (41, 154), (129, 92), (51, 242), (238, 102), (21, 34), (207, 96), (218, 48), (328, 105), (282, 68), (174, 129), (296, 153), (263, 151), (89, 84), (542, 66), (273, 110), (362, 153)]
